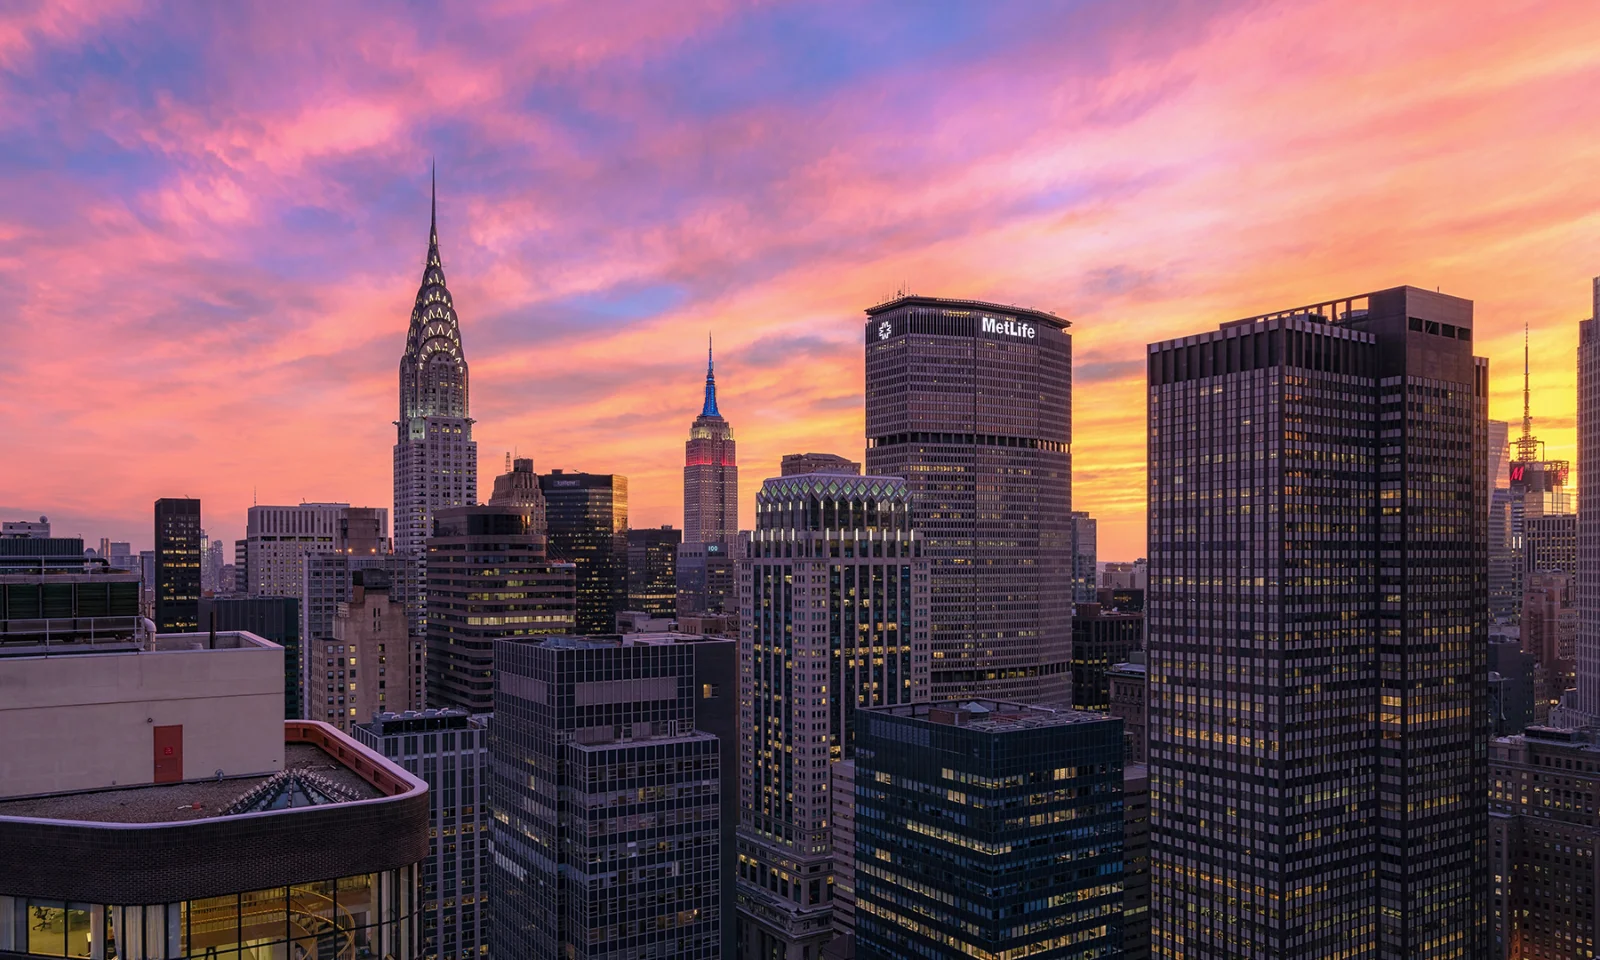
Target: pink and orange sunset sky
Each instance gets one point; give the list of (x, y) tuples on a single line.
[(214, 218)]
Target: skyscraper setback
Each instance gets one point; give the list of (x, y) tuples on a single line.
[(710, 473), (1318, 632), (971, 402), (1586, 706), (435, 458)]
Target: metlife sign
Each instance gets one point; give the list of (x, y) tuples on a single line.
[(1008, 328)]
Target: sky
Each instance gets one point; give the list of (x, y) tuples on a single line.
[(213, 218)]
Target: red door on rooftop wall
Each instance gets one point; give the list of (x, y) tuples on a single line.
[(169, 754)]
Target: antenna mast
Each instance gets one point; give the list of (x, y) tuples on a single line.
[(1527, 444)]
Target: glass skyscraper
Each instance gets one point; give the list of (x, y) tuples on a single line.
[(971, 403), (1317, 609), (179, 546), (988, 829), (588, 528)]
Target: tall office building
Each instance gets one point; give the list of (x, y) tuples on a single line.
[(519, 487), (588, 528), (1317, 623), (834, 619), (707, 575), (179, 545), (1549, 634), (1101, 638), (488, 577), (797, 463), (606, 799), (710, 473), (1585, 710), (988, 829), (372, 664), (449, 750), (972, 403), (435, 457), (653, 570), (1085, 577)]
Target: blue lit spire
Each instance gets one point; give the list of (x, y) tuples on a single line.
[(710, 409)]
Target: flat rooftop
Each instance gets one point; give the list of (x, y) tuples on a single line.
[(992, 716), (321, 779)]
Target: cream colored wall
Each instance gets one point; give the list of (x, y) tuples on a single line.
[(87, 721)]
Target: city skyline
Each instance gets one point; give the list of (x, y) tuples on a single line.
[(258, 241)]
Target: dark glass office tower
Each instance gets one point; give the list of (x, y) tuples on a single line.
[(606, 801), (179, 545), (270, 618), (488, 577), (653, 570), (972, 403), (988, 829), (1318, 633), (588, 518)]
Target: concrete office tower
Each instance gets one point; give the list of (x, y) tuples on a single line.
[(488, 577), (1317, 623), (371, 664), (842, 793), (271, 618), (1015, 847), (26, 529), (588, 524), (192, 820), (1586, 706), (707, 580), (1129, 703), (710, 473), (1085, 575), (119, 554), (277, 540), (1549, 633), (653, 570), (578, 874), (519, 487), (796, 463), (211, 571), (1546, 843), (972, 403), (328, 583), (179, 545), (450, 750), (834, 619), (435, 457)]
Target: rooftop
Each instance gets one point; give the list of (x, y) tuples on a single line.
[(911, 300), (992, 716), (310, 777)]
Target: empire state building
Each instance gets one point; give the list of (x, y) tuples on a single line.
[(435, 458), (710, 474)]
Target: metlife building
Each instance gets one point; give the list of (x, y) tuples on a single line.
[(971, 402)]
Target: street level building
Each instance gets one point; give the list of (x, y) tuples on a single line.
[(450, 751), (179, 545), (1318, 623), (834, 600), (155, 805), (488, 577), (435, 457), (971, 403), (988, 829), (607, 803)]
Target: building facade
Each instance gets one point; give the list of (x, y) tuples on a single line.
[(1549, 634), (277, 540), (796, 463), (1129, 703), (450, 751), (372, 664), (488, 578), (435, 457), (179, 546), (708, 579), (972, 404), (1101, 639), (1135, 861), (1586, 705), (945, 867), (834, 600), (588, 528), (1318, 630), (710, 473), (193, 821), (1085, 578), (653, 571), (1545, 787), (607, 800)]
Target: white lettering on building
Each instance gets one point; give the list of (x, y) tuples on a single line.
[(1010, 328)]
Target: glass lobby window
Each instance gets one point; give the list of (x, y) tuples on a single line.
[(311, 915), (77, 930), (213, 929), (47, 927)]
